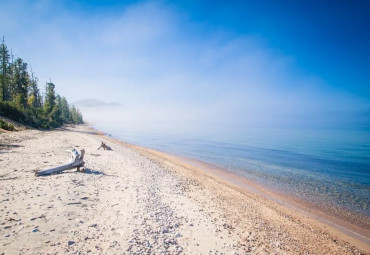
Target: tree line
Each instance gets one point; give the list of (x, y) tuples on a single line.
[(21, 99)]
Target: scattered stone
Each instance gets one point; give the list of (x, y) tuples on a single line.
[(70, 243), (7, 235), (35, 230)]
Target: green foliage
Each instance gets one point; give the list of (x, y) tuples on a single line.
[(50, 97), (4, 72), (6, 125), (10, 110), (76, 115), (20, 97), (34, 98), (20, 83)]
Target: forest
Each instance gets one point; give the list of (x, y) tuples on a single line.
[(21, 99)]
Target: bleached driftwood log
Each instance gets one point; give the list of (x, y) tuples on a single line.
[(77, 160), (105, 147)]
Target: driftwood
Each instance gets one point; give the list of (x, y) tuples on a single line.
[(77, 160), (105, 147)]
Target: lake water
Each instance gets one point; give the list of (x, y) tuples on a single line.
[(324, 167)]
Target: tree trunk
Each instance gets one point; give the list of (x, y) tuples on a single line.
[(77, 162)]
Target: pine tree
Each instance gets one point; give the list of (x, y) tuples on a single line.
[(20, 84), (34, 98), (4, 72), (55, 116), (11, 82), (76, 115), (50, 97), (20, 97), (64, 107)]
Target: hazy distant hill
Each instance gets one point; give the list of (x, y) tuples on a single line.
[(92, 102)]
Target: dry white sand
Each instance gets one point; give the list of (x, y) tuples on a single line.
[(137, 201)]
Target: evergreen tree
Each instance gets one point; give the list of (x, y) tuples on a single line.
[(76, 115), (50, 97), (20, 97), (55, 116), (20, 83), (34, 98), (64, 107), (4, 72), (79, 117)]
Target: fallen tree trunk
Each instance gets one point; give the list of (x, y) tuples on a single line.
[(105, 147), (78, 161)]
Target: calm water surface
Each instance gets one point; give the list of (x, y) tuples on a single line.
[(330, 167)]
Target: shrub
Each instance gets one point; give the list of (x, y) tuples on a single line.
[(6, 125)]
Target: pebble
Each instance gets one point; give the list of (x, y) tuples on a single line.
[(7, 235), (70, 242), (35, 230)]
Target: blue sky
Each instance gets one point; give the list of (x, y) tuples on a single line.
[(202, 63), (328, 39)]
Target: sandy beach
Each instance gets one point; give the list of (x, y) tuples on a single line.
[(133, 200)]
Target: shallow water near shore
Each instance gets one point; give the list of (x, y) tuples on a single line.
[(328, 168)]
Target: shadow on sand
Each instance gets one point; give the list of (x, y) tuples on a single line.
[(78, 131), (86, 171), (95, 172), (9, 146), (90, 171), (4, 148)]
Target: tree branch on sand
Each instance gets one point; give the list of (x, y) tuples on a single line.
[(105, 147), (77, 160)]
